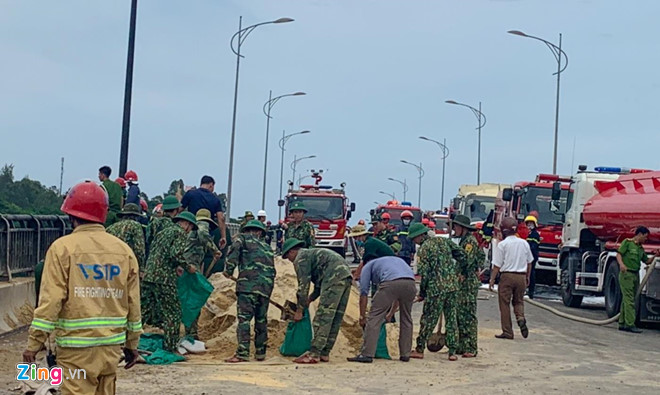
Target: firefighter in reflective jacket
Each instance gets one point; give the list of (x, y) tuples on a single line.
[(90, 297)]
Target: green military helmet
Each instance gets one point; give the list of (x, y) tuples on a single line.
[(297, 206), (375, 248), (254, 224), (186, 216), (248, 214), (170, 203), (463, 221), (130, 209), (290, 244), (417, 229)]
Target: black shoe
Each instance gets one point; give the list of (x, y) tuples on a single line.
[(404, 359), (360, 358), (623, 328), (634, 329), (503, 336), (523, 328)]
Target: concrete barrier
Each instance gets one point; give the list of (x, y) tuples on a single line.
[(17, 299)]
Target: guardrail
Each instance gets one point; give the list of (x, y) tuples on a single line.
[(24, 240)]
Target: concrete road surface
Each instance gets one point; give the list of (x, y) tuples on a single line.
[(560, 356)]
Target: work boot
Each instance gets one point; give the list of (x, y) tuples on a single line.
[(523, 328), (360, 358), (404, 359), (634, 329), (623, 328)]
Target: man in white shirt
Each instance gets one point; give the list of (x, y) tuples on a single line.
[(513, 263)]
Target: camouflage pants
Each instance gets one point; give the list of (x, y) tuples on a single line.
[(467, 319), (192, 329), (431, 312), (161, 308), (251, 306), (328, 317)]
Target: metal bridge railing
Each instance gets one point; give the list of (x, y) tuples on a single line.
[(24, 240)]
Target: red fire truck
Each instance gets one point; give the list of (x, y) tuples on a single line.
[(328, 209), (535, 198), (394, 208)]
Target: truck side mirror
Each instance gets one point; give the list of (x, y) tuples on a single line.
[(457, 203), (280, 203), (349, 215), (352, 206), (556, 191), (507, 194), (372, 212)]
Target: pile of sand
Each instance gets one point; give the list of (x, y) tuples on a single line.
[(217, 322)]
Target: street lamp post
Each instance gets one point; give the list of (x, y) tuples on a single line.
[(282, 143), (445, 154), (295, 163), (267, 107), (128, 92), (558, 53), (421, 174), (481, 119), (242, 34), (391, 195), (403, 184)]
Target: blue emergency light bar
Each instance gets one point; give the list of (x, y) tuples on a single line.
[(406, 204), (325, 186), (605, 169)]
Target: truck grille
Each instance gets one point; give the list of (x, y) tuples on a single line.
[(325, 234)]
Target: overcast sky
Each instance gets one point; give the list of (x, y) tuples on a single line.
[(376, 74)]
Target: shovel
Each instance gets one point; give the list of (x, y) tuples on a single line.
[(437, 340), (288, 310)]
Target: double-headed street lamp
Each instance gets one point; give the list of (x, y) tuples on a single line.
[(421, 174), (267, 107), (295, 163), (240, 37), (391, 195), (445, 154), (403, 184), (558, 53), (282, 143), (481, 119)]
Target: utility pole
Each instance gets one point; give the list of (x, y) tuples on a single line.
[(128, 92), (61, 175)]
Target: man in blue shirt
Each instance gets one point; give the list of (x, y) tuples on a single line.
[(396, 284), (203, 197)]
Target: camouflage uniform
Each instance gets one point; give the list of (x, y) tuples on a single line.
[(389, 237), (160, 300), (303, 231), (332, 283), (156, 225), (256, 275), (438, 288), (467, 295), (131, 233)]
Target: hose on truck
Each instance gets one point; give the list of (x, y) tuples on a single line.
[(588, 320)]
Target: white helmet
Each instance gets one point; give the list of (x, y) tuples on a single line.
[(261, 213)]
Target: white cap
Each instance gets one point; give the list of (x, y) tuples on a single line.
[(261, 213)]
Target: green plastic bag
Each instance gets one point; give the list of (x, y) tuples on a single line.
[(162, 357), (298, 338), (381, 347), (153, 342), (194, 290)]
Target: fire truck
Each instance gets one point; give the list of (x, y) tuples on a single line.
[(328, 209), (605, 206), (394, 208), (476, 201), (535, 198)]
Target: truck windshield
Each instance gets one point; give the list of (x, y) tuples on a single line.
[(477, 207), (538, 199), (321, 207), (395, 215)]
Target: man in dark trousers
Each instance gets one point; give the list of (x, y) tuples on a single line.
[(534, 240)]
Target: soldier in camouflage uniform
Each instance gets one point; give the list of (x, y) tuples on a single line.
[(160, 300), (170, 207), (247, 217), (332, 284), (256, 276), (130, 232), (299, 228), (468, 286), (438, 286), (383, 233)]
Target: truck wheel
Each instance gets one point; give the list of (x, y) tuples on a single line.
[(612, 290), (567, 281)]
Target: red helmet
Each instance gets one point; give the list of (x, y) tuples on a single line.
[(131, 176), (386, 216), (361, 222), (121, 182), (406, 213), (87, 201), (431, 224), (158, 208), (144, 205), (425, 221)]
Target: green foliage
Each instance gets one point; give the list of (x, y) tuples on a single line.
[(26, 196)]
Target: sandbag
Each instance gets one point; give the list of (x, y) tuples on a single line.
[(193, 289), (381, 347), (298, 337)]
